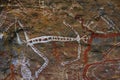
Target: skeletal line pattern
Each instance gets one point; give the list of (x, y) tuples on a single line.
[(45, 39)]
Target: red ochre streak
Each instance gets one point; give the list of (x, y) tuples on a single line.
[(96, 35), (87, 66), (87, 50)]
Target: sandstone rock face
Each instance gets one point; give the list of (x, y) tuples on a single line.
[(59, 40)]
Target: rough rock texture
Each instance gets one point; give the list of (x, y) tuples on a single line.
[(99, 58)]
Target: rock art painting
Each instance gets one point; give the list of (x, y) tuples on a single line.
[(59, 40)]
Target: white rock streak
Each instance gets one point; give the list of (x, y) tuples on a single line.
[(25, 71), (18, 39), (1, 35)]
